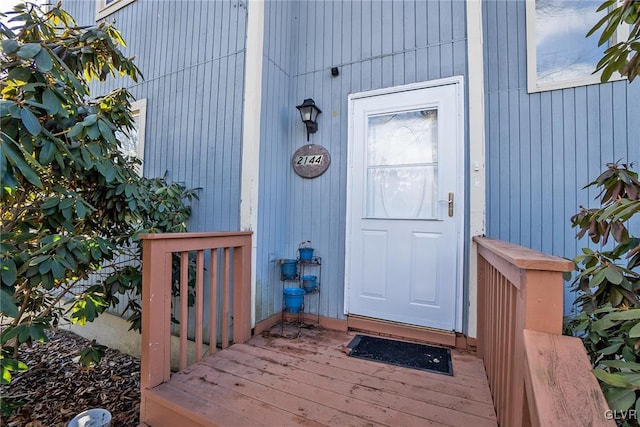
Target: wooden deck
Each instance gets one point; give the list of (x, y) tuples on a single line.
[(310, 380)]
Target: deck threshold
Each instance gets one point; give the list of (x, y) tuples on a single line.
[(404, 331)]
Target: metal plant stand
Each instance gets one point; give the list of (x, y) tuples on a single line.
[(303, 268)]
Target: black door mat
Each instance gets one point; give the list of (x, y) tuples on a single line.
[(400, 353)]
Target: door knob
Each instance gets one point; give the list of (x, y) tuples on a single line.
[(450, 204)]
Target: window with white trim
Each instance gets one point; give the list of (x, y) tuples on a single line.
[(132, 142), (107, 7), (559, 55)]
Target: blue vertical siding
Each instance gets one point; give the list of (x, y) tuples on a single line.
[(191, 53), (542, 148), (274, 188), (375, 44)]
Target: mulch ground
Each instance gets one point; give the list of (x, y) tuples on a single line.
[(56, 388)]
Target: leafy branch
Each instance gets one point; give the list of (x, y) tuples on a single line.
[(622, 56), (608, 288)]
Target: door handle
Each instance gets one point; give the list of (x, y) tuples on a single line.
[(450, 204)]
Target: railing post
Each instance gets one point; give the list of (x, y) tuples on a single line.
[(539, 308), (155, 354), (543, 296), (242, 292)]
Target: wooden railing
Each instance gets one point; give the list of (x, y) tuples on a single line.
[(537, 376), (157, 264)]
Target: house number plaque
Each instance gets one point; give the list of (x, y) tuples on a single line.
[(310, 161)]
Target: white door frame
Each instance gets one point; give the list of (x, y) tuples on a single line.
[(460, 180)]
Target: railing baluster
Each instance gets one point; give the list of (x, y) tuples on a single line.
[(504, 335), (509, 333), (498, 335), (488, 350), (492, 328), (496, 343), (499, 355), (199, 302), (213, 302), (225, 299), (184, 307), (482, 309)]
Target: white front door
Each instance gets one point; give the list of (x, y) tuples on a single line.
[(405, 207)]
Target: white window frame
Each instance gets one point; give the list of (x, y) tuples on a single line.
[(103, 9), (532, 73), (139, 113)]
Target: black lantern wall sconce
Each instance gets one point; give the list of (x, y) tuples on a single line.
[(309, 115)]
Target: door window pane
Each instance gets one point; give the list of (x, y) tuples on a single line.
[(402, 166)]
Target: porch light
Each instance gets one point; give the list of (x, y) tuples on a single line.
[(309, 115)]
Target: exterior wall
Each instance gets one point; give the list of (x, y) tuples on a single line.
[(541, 148), (544, 147), (275, 177), (191, 53), (375, 44)]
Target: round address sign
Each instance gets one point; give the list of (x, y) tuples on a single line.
[(310, 161)]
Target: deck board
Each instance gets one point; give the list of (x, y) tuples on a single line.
[(310, 380), (475, 386), (394, 392)]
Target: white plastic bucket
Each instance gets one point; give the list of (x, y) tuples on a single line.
[(92, 418)]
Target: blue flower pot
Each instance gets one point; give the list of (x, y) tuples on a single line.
[(306, 254), (293, 298), (309, 283), (288, 269)]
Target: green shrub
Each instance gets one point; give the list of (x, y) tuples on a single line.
[(608, 285), (72, 202)]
